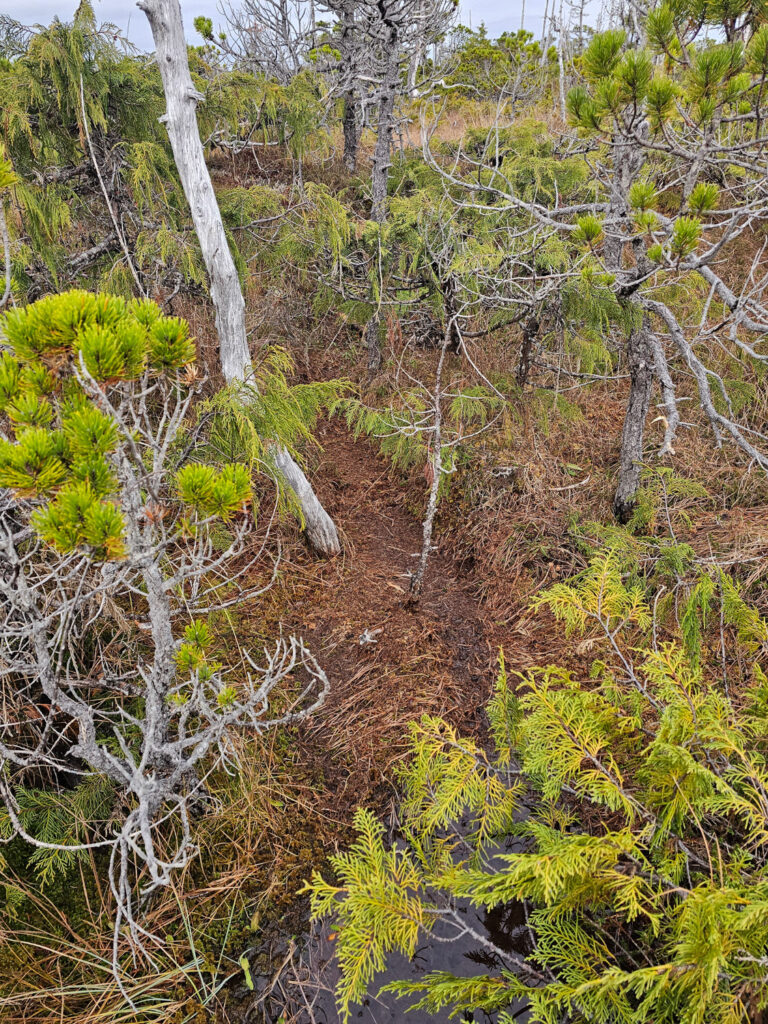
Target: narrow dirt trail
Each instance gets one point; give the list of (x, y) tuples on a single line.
[(436, 659)]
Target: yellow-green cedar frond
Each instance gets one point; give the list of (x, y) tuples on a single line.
[(752, 628), (663, 497), (379, 907), (170, 248), (573, 950), (441, 989), (329, 220), (756, 711), (504, 717), (710, 932), (448, 776), (322, 895), (545, 876), (573, 737), (697, 722), (597, 595), (693, 618), (152, 176), (472, 406), (656, 911), (616, 995), (740, 794), (679, 786)]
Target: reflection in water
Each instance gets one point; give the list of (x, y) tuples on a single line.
[(505, 927), (305, 992)]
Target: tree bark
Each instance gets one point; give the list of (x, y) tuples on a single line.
[(413, 69), (380, 174), (449, 291), (560, 61), (6, 255), (180, 119), (640, 354), (350, 128), (386, 123), (351, 133), (435, 467), (528, 348), (627, 162)]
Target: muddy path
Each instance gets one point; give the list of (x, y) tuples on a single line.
[(388, 663), (438, 659)]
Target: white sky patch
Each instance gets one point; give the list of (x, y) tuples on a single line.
[(499, 16)]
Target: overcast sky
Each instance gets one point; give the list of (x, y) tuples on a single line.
[(498, 15)]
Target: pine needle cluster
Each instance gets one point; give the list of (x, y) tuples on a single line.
[(64, 453)]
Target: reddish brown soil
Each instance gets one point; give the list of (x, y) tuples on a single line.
[(439, 658), (435, 659)]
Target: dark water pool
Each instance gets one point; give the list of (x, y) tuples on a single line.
[(476, 942), (504, 927)]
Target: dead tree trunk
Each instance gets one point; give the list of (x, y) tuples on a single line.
[(180, 119), (561, 60), (380, 172), (449, 290), (349, 121), (627, 161), (435, 468), (6, 256), (384, 130), (351, 132), (640, 355), (528, 348)]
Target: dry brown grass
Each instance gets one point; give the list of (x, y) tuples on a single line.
[(500, 539)]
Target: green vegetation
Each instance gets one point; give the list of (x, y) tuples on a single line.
[(638, 801), (486, 371)]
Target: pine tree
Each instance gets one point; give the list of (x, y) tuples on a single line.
[(636, 242), (112, 560)]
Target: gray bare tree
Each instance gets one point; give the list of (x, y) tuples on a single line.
[(107, 664), (381, 46), (181, 121), (638, 150), (270, 36)]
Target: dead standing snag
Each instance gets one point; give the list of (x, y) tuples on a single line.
[(181, 121)]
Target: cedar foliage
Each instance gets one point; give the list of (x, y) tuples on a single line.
[(639, 799)]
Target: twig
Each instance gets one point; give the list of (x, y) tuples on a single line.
[(115, 222)]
